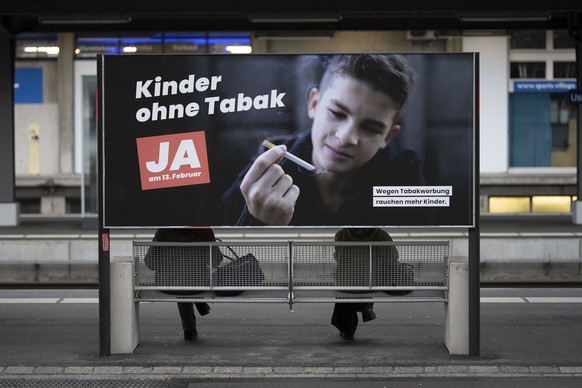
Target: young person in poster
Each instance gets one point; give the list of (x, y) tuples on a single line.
[(355, 114)]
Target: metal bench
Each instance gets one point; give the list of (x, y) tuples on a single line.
[(294, 272), (298, 272)]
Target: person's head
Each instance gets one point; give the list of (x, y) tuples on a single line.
[(356, 109)]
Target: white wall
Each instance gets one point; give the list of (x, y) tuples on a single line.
[(494, 110)]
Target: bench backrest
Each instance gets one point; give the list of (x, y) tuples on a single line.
[(294, 265)]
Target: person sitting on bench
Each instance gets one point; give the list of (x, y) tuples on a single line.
[(353, 269), (184, 266)]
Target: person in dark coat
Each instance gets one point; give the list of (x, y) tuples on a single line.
[(353, 269), (184, 266)]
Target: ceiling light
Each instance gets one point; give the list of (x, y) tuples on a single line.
[(503, 18), (239, 49), (84, 20), (50, 50)]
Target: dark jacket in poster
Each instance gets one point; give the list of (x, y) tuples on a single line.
[(387, 167)]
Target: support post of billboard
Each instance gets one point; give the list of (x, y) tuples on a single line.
[(103, 240), (475, 238), (9, 208)]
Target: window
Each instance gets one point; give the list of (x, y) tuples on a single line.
[(528, 70), (542, 130), (562, 115), (528, 39), (509, 204), (534, 204), (564, 69), (551, 204), (542, 125), (563, 40)]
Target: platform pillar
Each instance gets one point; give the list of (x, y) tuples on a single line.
[(124, 310), (457, 314)]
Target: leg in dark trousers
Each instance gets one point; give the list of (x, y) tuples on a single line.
[(345, 319), (186, 310)]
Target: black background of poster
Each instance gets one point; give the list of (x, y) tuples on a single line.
[(438, 124)]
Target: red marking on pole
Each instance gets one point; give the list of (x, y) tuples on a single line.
[(105, 242)]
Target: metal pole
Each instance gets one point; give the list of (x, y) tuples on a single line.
[(370, 269), (576, 33), (575, 30), (9, 209), (290, 266), (104, 240), (104, 293), (474, 241)]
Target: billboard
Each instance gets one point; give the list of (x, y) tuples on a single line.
[(288, 140)]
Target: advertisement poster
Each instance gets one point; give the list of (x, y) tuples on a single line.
[(288, 140)]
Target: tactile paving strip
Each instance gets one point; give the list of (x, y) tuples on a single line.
[(75, 383)]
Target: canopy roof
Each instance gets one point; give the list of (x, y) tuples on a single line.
[(297, 15)]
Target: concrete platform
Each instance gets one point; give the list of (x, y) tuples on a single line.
[(50, 337)]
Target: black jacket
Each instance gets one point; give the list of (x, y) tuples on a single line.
[(183, 265)]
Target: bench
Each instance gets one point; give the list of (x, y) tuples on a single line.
[(294, 272)]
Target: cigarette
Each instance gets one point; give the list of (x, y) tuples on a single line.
[(292, 157)]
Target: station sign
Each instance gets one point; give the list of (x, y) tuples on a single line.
[(575, 96)]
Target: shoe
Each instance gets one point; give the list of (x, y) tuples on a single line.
[(368, 314), (347, 336), (203, 309), (190, 335)]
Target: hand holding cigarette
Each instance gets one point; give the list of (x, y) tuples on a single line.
[(268, 191)]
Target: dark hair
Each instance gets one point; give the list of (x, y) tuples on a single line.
[(387, 73)]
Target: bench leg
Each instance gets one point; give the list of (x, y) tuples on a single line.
[(457, 314), (124, 310)]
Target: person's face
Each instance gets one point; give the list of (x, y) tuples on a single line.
[(351, 122)]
